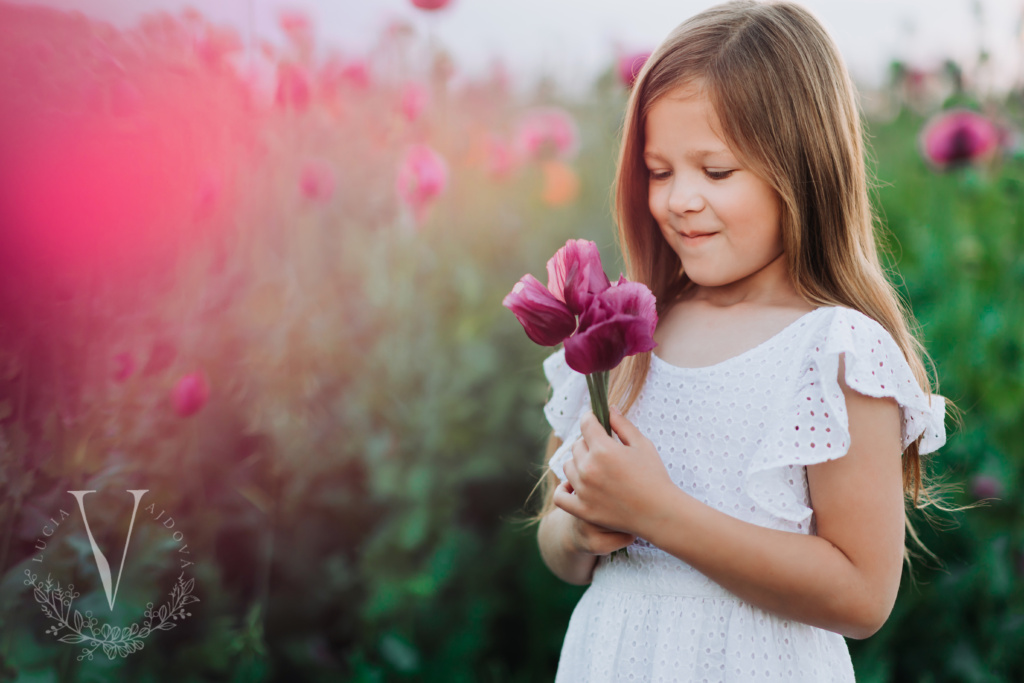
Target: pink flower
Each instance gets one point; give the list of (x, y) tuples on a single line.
[(985, 486), (318, 180), (501, 158), (630, 66), (124, 366), (431, 4), (546, 320), (618, 322), (414, 101), (575, 274), (293, 88), (548, 131), (959, 136), (422, 176), (357, 74), (295, 23), (190, 394)]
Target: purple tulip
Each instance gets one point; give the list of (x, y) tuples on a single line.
[(575, 274), (547, 320), (618, 322), (959, 136)]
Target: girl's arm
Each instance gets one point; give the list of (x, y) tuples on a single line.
[(844, 579), (570, 546)]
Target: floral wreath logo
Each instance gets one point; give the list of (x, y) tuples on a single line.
[(116, 641)]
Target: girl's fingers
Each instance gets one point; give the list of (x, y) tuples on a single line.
[(626, 430), (565, 499), (569, 468)]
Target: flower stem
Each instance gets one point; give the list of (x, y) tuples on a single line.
[(597, 383)]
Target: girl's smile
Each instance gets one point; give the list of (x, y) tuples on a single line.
[(721, 219)]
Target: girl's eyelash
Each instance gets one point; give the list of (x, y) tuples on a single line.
[(713, 175)]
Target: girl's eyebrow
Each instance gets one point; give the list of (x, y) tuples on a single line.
[(695, 154)]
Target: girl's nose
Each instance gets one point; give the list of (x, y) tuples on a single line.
[(684, 198)]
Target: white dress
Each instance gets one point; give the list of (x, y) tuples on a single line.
[(736, 436)]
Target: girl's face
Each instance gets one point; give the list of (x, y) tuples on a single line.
[(721, 219)]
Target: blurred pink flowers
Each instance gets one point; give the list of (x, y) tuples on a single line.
[(190, 394), (124, 366), (414, 101), (548, 131), (431, 4), (318, 180), (630, 66), (958, 137), (985, 486), (422, 177), (293, 87)]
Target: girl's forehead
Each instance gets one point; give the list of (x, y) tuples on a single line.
[(684, 116)]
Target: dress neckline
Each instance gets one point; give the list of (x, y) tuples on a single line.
[(658, 360)]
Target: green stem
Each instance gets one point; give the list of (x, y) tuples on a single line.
[(597, 382)]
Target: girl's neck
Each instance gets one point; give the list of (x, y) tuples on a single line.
[(770, 286)]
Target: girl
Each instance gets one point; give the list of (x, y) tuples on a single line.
[(757, 480)]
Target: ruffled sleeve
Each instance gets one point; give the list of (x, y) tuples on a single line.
[(569, 399), (812, 425)]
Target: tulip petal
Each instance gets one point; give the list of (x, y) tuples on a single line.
[(619, 322), (546, 320), (575, 274)]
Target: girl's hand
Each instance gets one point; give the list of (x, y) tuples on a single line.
[(591, 539), (619, 486)]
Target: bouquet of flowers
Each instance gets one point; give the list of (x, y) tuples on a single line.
[(601, 323)]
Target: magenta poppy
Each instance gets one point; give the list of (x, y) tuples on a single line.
[(293, 87), (190, 394), (549, 132), (618, 322), (431, 4), (630, 66), (414, 101), (422, 177), (317, 180), (546, 320), (985, 486), (959, 136), (124, 366)]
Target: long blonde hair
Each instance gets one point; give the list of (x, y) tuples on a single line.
[(788, 109)]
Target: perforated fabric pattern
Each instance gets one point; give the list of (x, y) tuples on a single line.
[(737, 436)]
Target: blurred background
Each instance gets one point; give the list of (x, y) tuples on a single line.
[(252, 258)]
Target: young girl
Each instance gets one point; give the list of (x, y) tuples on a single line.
[(756, 476)]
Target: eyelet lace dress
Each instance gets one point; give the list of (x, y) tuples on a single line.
[(737, 436)]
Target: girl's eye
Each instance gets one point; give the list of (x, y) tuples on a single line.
[(658, 175), (717, 174)]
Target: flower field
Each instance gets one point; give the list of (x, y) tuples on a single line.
[(265, 286)]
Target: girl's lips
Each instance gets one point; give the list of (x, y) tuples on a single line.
[(696, 237)]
